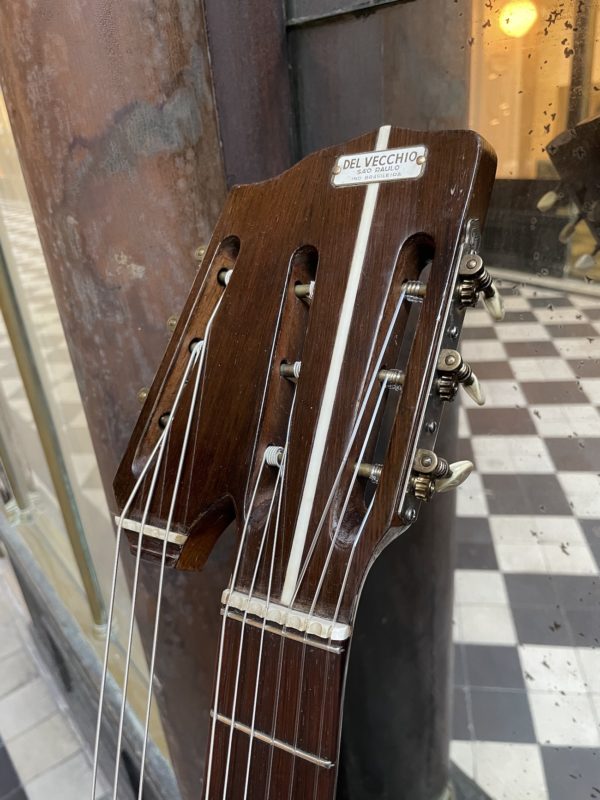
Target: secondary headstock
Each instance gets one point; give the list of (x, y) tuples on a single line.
[(575, 154), (295, 332)]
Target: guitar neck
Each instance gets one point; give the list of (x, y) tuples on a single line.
[(278, 708)]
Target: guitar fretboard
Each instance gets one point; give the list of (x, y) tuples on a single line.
[(278, 714)]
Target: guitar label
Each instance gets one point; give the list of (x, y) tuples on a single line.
[(403, 163)]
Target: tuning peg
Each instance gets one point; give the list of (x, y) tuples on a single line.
[(434, 474), (455, 371), (549, 200), (494, 304), (475, 279), (569, 229), (586, 261), (458, 473)]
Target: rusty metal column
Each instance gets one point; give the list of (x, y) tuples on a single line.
[(112, 109)]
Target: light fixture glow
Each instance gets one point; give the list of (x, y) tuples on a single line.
[(518, 17)]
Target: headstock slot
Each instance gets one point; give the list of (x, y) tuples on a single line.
[(279, 393), (397, 359)]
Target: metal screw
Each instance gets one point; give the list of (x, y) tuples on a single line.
[(426, 461), (450, 360), (200, 252), (337, 170), (410, 515), (421, 159), (472, 263), (172, 323), (453, 332), (431, 426), (142, 394)]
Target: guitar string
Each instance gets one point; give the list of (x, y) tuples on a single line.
[(264, 624), (279, 483), (335, 617), (225, 613), (276, 489), (201, 346), (195, 356), (311, 550), (332, 547), (346, 455), (156, 451)]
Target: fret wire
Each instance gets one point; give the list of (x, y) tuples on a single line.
[(278, 743)]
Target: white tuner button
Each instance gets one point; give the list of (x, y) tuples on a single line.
[(459, 472)]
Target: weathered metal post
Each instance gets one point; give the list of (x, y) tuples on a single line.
[(112, 109)]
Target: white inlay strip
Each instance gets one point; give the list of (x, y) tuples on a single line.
[(331, 385)]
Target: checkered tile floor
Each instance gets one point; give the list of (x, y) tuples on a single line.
[(527, 601)]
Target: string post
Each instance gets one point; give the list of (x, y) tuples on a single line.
[(274, 455), (305, 291), (224, 276), (370, 471), (414, 291), (394, 377), (291, 371)]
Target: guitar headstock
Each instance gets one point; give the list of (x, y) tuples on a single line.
[(303, 388)]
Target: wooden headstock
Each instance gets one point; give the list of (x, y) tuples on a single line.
[(321, 267)]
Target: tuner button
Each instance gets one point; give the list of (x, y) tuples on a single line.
[(569, 229), (585, 262), (494, 303), (475, 279), (548, 201), (475, 390), (458, 473)]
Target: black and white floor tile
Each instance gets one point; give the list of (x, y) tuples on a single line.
[(527, 590)]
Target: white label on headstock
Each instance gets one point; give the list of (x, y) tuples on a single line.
[(403, 163)]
